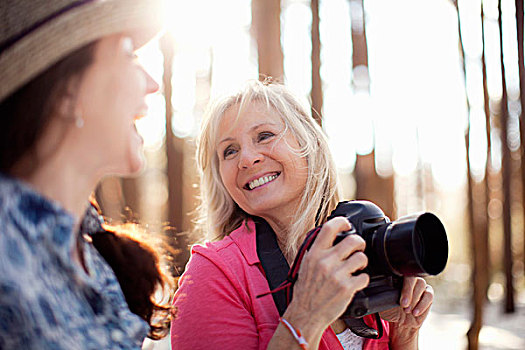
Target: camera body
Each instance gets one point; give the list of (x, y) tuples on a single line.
[(414, 245)]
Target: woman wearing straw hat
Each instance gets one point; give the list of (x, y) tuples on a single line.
[(70, 93)]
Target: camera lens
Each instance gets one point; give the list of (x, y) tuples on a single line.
[(415, 245), (434, 244), (419, 244)]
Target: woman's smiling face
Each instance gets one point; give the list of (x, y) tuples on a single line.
[(259, 162), (111, 98)]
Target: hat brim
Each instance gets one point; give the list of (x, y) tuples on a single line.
[(43, 47)]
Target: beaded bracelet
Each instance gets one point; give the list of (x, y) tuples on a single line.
[(296, 333)]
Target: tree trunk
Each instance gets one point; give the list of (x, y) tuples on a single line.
[(475, 230), (266, 28), (369, 185), (360, 52), (506, 171), (478, 296), (110, 199), (132, 197), (174, 155), (317, 89), (519, 30), (484, 215)]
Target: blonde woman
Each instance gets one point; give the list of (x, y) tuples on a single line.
[(266, 168)]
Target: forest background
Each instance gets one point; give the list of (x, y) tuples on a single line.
[(422, 102)]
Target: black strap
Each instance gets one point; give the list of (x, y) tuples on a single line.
[(277, 271), (272, 260)]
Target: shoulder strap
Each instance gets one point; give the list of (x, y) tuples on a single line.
[(281, 278), (273, 262)]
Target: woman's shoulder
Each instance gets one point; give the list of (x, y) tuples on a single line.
[(29, 211), (215, 253), (213, 247), (21, 239), (9, 196), (237, 243), (231, 254)]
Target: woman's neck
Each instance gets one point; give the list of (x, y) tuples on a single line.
[(65, 183), (280, 227), (60, 180), (62, 173)]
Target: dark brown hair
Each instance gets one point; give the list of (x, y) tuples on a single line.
[(131, 251), (24, 115), (138, 271)]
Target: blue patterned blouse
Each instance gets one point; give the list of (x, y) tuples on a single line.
[(46, 300)]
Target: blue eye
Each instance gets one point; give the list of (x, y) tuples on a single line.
[(264, 135), (228, 152)]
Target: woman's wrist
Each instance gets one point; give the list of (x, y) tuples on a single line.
[(297, 322), (310, 328), (403, 337), (296, 333)]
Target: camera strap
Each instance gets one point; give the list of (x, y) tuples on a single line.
[(273, 262), (281, 277)]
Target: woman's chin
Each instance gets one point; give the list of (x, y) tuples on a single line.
[(132, 167), (129, 163), (136, 165)]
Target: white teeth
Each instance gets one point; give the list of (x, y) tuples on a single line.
[(261, 181)]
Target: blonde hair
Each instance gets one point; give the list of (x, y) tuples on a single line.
[(219, 215)]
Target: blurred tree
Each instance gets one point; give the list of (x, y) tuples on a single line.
[(131, 190), (506, 173), (478, 194), (478, 296), (175, 158), (317, 87), (266, 28), (110, 198), (369, 185), (521, 66), (483, 218)]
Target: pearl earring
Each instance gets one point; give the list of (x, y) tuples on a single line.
[(79, 121)]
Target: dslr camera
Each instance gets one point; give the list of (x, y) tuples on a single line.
[(413, 245)]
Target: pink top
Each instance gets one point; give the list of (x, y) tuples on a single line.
[(216, 304)]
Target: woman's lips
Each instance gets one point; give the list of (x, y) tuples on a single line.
[(260, 181)]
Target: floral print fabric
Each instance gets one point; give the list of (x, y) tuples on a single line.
[(47, 301)]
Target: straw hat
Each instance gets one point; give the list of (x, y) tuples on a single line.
[(35, 34)]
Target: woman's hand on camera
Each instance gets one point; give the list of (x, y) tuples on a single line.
[(325, 285), (416, 299)]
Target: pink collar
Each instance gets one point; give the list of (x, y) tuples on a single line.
[(244, 237)]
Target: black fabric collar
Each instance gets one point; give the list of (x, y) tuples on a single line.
[(272, 260)]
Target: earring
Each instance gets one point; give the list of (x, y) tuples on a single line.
[(79, 121)]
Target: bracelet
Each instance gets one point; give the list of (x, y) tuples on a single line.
[(296, 333)]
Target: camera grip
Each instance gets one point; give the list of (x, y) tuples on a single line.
[(363, 305)]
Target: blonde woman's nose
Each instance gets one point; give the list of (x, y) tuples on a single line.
[(249, 157)]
